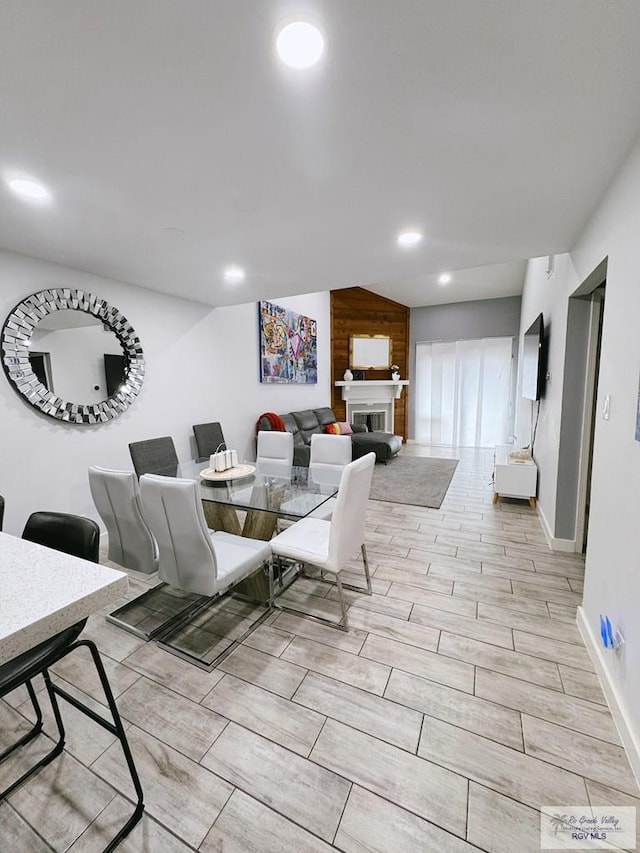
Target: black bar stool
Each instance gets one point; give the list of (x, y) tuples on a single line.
[(80, 537)]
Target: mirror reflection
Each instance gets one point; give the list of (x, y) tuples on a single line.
[(76, 357)]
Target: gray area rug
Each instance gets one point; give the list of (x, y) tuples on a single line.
[(418, 480)]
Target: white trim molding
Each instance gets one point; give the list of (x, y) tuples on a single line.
[(567, 546), (630, 739)]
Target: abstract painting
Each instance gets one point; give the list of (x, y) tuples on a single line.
[(288, 346)]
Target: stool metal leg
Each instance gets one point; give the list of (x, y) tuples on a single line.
[(117, 729), (57, 749), (33, 732)]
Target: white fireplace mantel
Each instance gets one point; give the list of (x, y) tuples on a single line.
[(372, 395), (381, 389)]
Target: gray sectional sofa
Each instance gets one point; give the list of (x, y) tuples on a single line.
[(309, 421)]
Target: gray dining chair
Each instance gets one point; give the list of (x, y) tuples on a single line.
[(330, 545), (153, 455), (117, 499), (209, 439)]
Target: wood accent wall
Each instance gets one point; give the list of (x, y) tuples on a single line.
[(356, 311)]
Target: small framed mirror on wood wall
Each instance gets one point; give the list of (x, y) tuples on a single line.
[(370, 352)]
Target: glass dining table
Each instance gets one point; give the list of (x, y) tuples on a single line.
[(248, 502), (265, 492)]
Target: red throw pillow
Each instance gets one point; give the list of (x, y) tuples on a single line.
[(332, 429), (345, 428)]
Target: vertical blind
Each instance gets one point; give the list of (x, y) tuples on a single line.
[(464, 392)]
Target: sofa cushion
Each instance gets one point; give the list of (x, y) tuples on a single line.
[(383, 444), (291, 426), (332, 429), (307, 421), (325, 416), (339, 428)]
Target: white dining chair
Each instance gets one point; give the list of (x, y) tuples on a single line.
[(330, 545), (195, 559), (274, 452), (192, 557), (117, 500), (329, 455)]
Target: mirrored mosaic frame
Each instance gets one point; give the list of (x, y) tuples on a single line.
[(16, 341)]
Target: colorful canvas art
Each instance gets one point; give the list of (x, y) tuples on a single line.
[(288, 346)]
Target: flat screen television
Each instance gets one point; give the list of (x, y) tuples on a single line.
[(532, 360)]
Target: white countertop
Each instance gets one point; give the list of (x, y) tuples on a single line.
[(43, 592)]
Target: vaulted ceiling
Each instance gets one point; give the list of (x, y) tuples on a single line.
[(174, 142)]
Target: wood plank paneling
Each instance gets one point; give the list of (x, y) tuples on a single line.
[(356, 311)]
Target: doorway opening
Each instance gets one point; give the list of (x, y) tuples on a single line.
[(578, 417)]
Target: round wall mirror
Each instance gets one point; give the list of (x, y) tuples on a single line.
[(72, 356)]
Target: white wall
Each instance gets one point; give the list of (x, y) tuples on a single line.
[(246, 398), (612, 580), (202, 365), (549, 296)]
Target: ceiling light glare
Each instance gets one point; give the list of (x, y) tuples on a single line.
[(445, 278), (30, 190), (407, 239), (234, 275), (300, 44)]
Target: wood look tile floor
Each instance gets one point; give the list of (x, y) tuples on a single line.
[(461, 700)]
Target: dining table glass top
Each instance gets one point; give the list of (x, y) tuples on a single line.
[(287, 492)]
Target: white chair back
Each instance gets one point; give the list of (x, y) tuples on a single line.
[(117, 500), (329, 453), (347, 523), (173, 509), (275, 452)]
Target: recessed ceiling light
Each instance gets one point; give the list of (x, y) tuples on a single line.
[(445, 278), (409, 238), (300, 44), (234, 275), (30, 190)]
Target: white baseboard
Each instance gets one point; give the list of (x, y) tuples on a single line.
[(630, 739), (566, 545)]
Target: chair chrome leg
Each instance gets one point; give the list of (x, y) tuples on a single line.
[(363, 549), (344, 625), (271, 570), (351, 587)]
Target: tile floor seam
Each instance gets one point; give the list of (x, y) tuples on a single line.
[(344, 808), (271, 805), (406, 808), (34, 829), (528, 755)]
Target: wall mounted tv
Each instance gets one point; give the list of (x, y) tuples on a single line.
[(533, 360)]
